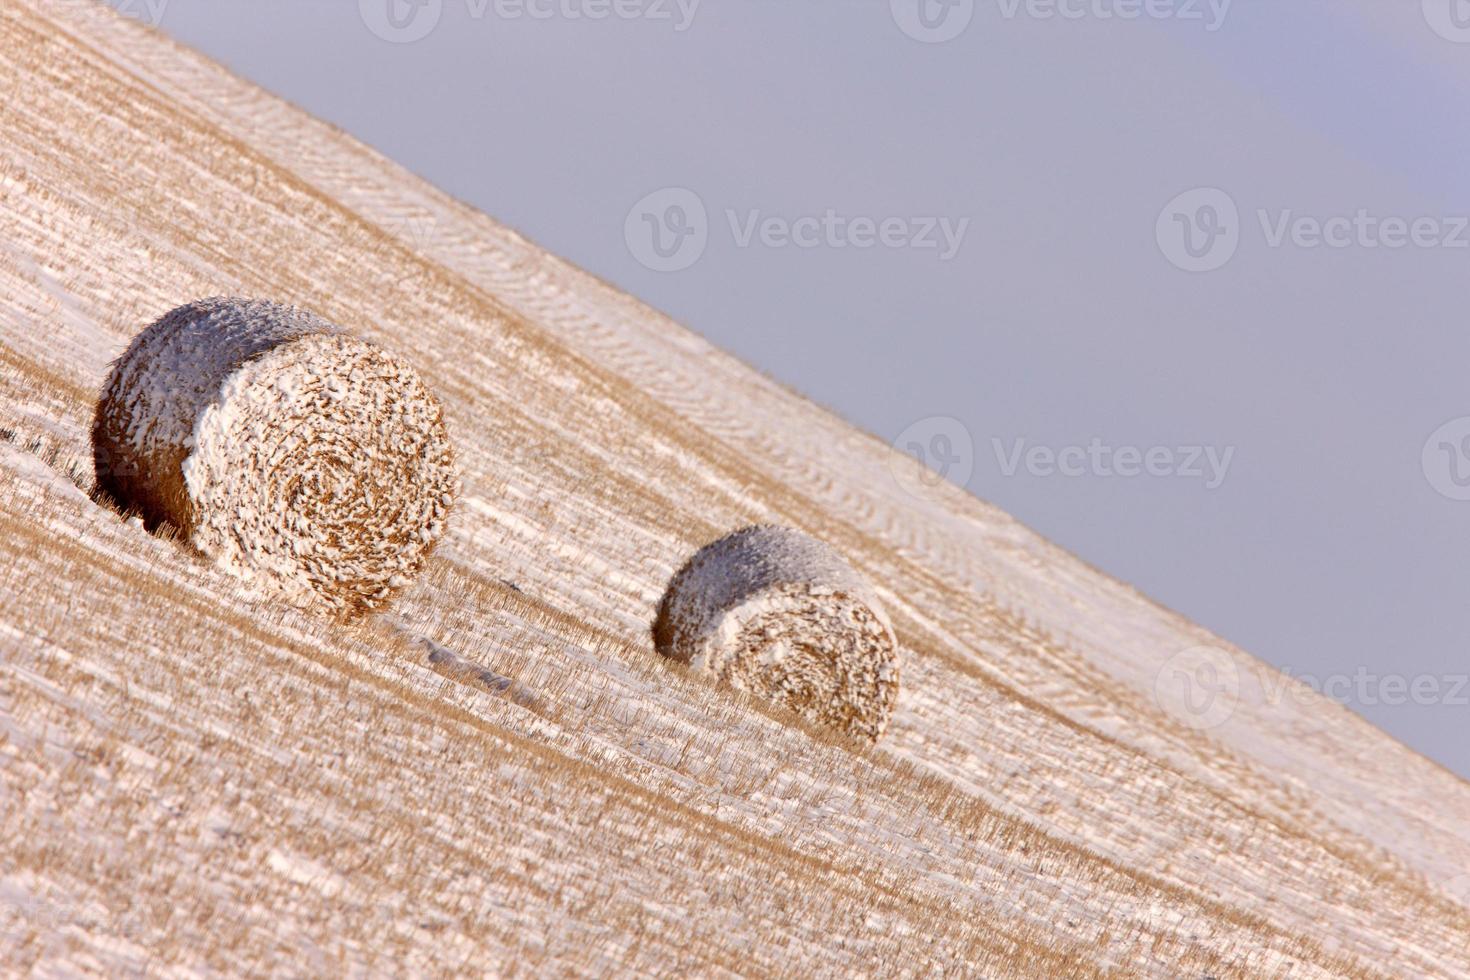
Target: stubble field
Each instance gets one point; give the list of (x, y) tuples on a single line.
[(194, 781)]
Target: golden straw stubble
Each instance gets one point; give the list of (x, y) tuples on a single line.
[(312, 464), (775, 612)]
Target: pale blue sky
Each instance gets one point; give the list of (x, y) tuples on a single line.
[(1326, 550)]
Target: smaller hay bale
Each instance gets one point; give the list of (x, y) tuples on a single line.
[(311, 464), (782, 615)]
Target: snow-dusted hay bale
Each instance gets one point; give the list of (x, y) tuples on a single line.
[(312, 464), (776, 612)]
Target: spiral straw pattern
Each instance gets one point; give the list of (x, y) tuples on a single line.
[(780, 614), (312, 464)]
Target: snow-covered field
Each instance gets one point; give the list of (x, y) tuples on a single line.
[(195, 782)]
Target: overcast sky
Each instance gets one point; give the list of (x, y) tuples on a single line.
[(1221, 245)]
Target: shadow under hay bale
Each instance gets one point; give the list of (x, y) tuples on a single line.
[(777, 613), (312, 464)]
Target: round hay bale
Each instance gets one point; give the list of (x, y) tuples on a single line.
[(312, 464), (776, 612)]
